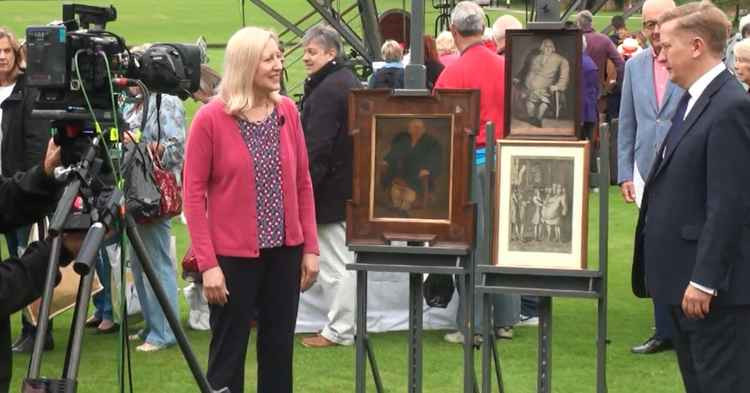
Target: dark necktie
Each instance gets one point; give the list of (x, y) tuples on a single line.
[(675, 132)]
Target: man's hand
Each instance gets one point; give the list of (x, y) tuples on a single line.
[(53, 158), (627, 188), (214, 286), (424, 173), (696, 303), (310, 267)]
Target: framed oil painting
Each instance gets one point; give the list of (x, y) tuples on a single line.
[(541, 204), (412, 162), (542, 73)]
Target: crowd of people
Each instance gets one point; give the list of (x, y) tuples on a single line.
[(265, 180)]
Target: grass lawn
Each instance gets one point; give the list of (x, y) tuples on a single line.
[(332, 370)]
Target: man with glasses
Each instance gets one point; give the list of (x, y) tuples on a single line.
[(649, 100)]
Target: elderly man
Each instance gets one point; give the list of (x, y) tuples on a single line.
[(692, 244), (503, 23), (545, 74), (644, 122), (471, 71)]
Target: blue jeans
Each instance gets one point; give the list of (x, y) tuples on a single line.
[(103, 299), (506, 308), (156, 238)]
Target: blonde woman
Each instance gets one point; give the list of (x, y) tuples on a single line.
[(250, 212)]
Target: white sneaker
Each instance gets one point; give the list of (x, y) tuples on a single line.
[(454, 338), (528, 321)]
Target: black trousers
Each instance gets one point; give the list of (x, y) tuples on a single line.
[(714, 353), (270, 284)]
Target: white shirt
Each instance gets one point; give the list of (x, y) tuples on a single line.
[(695, 90), (5, 92)]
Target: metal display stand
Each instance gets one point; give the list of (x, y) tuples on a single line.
[(416, 261), (548, 283)]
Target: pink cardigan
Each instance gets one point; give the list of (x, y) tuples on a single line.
[(219, 186)]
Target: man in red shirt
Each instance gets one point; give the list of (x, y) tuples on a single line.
[(480, 68), (477, 68)]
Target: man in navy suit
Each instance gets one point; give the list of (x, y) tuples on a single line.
[(649, 100), (692, 246)]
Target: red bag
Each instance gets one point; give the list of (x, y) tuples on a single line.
[(190, 270), (171, 193)]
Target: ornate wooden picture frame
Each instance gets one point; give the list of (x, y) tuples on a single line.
[(412, 163), (541, 204), (543, 82)]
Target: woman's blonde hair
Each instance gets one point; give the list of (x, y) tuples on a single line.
[(392, 51), (241, 59), (445, 44), (17, 53)]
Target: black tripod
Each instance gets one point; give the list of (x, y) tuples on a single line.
[(102, 217)]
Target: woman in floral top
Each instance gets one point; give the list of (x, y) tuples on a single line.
[(168, 146), (251, 215)]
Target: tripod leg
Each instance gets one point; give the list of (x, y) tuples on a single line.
[(161, 296), (73, 354), (35, 363)]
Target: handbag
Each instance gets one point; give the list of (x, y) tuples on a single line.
[(438, 290), (170, 203), (190, 270), (142, 197)]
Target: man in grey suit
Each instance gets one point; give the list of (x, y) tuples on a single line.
[(648, 103)]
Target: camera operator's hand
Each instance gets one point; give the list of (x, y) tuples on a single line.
[(53, 158)]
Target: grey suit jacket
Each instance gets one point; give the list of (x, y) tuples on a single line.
[(643, 126)]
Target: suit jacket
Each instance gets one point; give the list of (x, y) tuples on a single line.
[(643, 125), (694, 223)]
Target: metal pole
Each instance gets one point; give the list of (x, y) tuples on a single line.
[(140, 250), (545, 337), (604, 164), (75, 341), (35, 364), (415, 333), (361, 331), (414, 74)]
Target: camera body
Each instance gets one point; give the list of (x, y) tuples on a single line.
[(72, 64)]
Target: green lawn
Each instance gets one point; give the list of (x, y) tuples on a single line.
[(332, 370)]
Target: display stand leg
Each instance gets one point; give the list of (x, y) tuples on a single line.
[(498, 373), (360, 338), (415, 333), (487, 336), (374, 366), (466, 328), (545, 345)]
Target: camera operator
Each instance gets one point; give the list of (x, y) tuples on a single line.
[(31, 195), (22, 143)]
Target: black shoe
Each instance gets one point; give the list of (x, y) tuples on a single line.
[(26, 344), (652, 345), (536, 122)]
